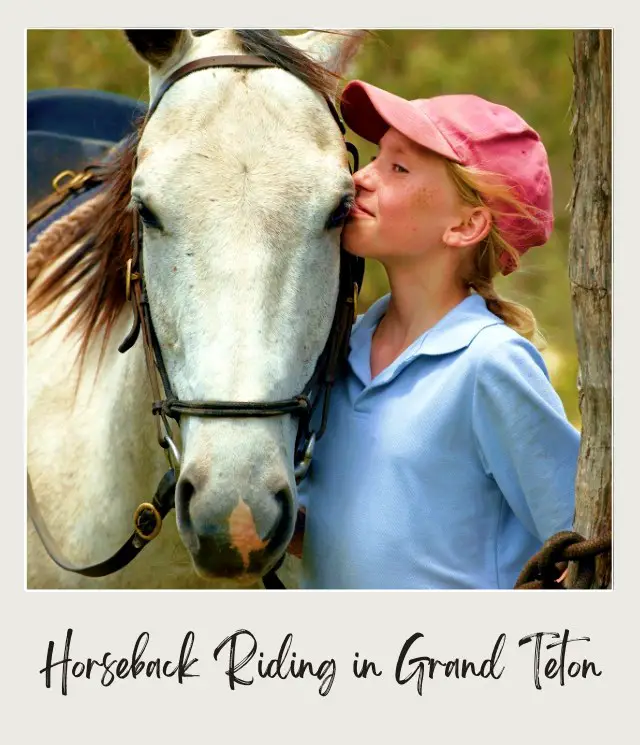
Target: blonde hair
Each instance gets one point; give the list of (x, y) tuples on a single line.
[(485, 189)]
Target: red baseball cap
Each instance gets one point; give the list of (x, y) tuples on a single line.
[(473, 132)]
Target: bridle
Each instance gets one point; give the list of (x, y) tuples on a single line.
[(149, 515), (302, 405)]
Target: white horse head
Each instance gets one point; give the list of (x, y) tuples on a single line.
[(242, 184)]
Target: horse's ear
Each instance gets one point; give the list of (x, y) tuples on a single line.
[(332, 49), (159, 47)]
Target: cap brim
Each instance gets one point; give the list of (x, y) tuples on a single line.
[(370, 111)]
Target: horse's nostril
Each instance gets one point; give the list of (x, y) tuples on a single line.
[(281, 527), (283, 498), (184, 495)]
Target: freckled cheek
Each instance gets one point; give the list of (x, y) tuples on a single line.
[(403, 218), (427, 201), (394, 213)]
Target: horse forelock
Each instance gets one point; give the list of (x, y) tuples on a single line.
[(273, 47)]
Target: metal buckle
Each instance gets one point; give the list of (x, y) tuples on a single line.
[(74, 180), (302, 467), (152, 511), (354, 300), (169, 446), (172, 452), (131, 277)]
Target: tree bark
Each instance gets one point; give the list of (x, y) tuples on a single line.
[(590, 275)]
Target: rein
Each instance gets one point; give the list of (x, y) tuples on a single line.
[(148, 516)]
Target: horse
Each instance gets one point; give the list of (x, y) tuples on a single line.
[(240, 184)]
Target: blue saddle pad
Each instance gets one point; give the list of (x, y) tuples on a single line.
[(68, 128)]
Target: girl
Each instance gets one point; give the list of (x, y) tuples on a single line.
[(448, 459)]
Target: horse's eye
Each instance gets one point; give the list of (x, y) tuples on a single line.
[(340, 214), (147, 216)]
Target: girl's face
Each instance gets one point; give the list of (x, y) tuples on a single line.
[(405, 203)]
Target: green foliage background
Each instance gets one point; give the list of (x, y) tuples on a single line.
[(527, 70)]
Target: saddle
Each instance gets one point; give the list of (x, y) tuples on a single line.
[(67, 130)]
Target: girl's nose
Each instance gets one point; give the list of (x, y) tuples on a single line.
[(364, 178)]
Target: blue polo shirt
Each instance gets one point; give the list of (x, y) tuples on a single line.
[(447, 470)]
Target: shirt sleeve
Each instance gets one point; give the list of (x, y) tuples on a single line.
[(525, 441)]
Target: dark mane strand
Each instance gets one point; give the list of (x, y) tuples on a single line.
[(273, 47)]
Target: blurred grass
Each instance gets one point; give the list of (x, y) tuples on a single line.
[(527, 70), (73, 58)]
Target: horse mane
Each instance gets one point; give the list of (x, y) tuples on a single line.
[(97, 265), (274, 48)]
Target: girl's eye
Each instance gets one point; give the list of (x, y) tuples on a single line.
[(340, 214), (147, 216), (399, 169)]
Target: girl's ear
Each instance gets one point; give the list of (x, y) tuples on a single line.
[(473, 227)]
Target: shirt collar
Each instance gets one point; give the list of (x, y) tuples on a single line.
[(454, 331)]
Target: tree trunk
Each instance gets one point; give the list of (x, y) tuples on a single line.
[(590, 275)]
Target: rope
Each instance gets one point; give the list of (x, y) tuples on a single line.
[(541, 573)]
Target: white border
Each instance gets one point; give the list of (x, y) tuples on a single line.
[(331, 623)]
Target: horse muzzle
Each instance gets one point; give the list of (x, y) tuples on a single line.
[(231, 536)]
